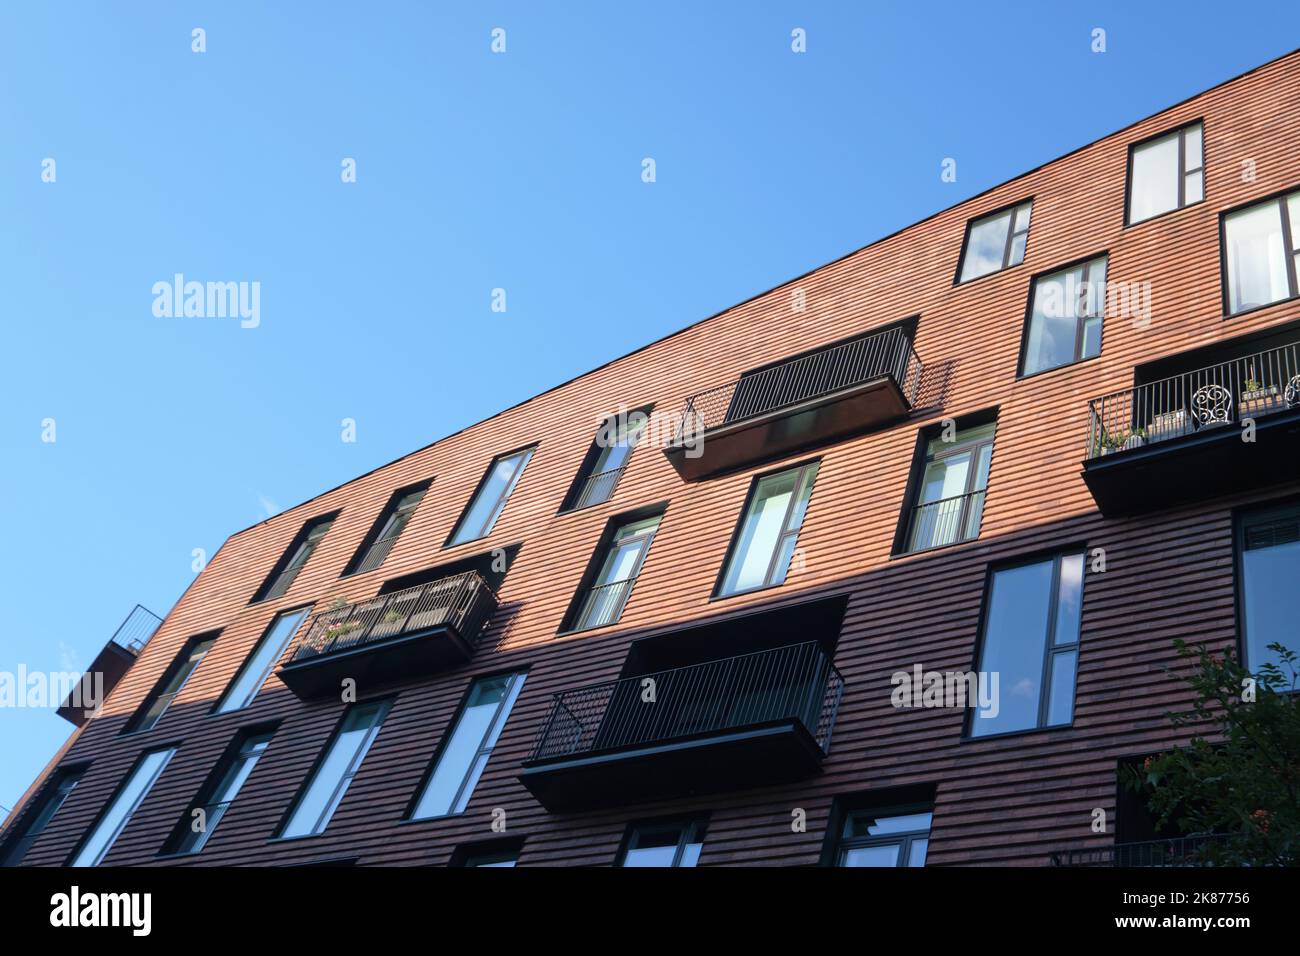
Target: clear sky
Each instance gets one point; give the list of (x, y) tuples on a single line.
[(474, 171)]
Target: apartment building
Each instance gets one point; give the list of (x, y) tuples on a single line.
[(654, 616)]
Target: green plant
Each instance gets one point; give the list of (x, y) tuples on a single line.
[(1253, 384)]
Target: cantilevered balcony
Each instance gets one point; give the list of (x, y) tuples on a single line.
[(1180, 851), (1187, 437), (111, 663), (391, 637), (799, 402), (760, 718)]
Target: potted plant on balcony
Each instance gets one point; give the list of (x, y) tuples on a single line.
[(1121, 440), (1259, 399)]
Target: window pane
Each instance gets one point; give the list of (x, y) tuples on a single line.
[(1060, 707), (1015, 635), (1154, 188), (916, 856), (865, 824), (1055, 337), (986, 246), (491, 498), (253, 674), (886, 855), (1192, 158), (1018, 249), (1270, 568), (119, 812), (1256, 260), (330, 781), (760, 533), (1194, 189), (1069, 604)]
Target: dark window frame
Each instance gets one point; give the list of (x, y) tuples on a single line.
[(466, 854), (568, 623), (1290, 250), (19, 837), (692, 825), (1183, 172), (1079, 321), (1240, 518), (281, 566), (906, 837), (217, 708), (1006, 251), (574, 498), (718, 594), (925, 796), (117, 792), (172, 670), (386, 513), (503, 500)]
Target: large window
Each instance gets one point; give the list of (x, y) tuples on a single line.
[(333, 774), (765, 540), (1165, 173), (884, 838), (949, 499), (490, 498), (56, 794), (388, 528), (1259, 243), (258, 666), (1065, 316), (1270, 569), (995, 242), (294, 558), (607, 459), (121, 807), (171, 683), (195, 829), (1031, 641), (619, 565), (467, 746), (675, 843)]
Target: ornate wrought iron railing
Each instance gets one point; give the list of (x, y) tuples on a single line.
[(1211, 397), (1179, 851), (463, 601), (797, 682), (812, 376)]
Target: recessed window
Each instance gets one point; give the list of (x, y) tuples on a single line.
[(1166, 173), (494, 853), (172, 681), (121, 807), (1270, 568), (387, 529), (467, 746), (765, 540), (338, 765), (995, 242), (614, 574), (1262, 259), (949, 497), (201, 820), (884, 838), (56, 794), (1031, 641), (1065, 316), (606, 460), (252, 675), (490, 497), (675, 843), (294, 558)]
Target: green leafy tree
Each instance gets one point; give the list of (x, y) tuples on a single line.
[(1239, 776)]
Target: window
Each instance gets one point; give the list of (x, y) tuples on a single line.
[(1165, 173), (1270, 567), (56, 794), (606, 460), (467, 746), (253, 674), (490, 497), (765, 540), (888, 838), (676, 843), (620, 563), (123, 804), (949, 498), (291, 562), (172, 681), (1065, 316), (335, 770), (1259, 243), (217, 796), (388, 528), (494, 853), (1031, 641), (995, 242)]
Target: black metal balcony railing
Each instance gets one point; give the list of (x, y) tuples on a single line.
[(1212, 397), (604, 604), (463, 601), (598, 488), (809, 377), (1179, 851), (134, 632), (376, 554), (793, 682), (947, 521)]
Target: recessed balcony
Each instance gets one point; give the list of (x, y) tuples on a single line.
[(1229, 427), (800, 402), (392, 637), (729, 724)]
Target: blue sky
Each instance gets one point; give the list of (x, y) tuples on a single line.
[(475, 171)]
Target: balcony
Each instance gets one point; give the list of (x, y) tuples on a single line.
[(752, 720), (1180, 851), (808, 400), (392, 637), (1182, 439), (110, 664)]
